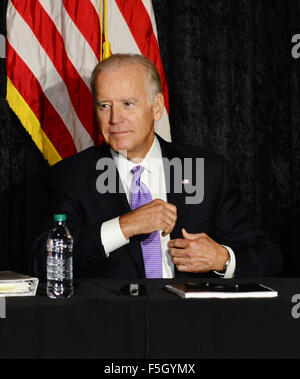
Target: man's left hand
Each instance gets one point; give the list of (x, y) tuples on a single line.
[(197, 253)]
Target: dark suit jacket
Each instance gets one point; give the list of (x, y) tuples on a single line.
[(222, 215)]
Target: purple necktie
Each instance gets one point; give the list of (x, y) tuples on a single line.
[(151, 246)]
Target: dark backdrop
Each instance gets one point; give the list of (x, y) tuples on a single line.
[(233, 87)]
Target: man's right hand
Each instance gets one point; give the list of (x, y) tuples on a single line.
[(156, 215)]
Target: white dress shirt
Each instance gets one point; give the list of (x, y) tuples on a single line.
[(153, 177)]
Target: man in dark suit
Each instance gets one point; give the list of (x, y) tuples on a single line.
[(208, 232)]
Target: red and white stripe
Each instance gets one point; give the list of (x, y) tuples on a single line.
[(134, 19), (52, 48)]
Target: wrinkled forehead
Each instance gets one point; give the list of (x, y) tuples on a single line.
[(129, 78), (131, 69)]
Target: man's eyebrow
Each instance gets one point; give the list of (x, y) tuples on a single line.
[(120, 100), (103, 101), (129, 99)]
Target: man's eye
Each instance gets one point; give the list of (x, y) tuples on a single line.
[(128, 103), (103, 106)]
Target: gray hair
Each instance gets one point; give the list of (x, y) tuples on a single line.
[(117, 61)]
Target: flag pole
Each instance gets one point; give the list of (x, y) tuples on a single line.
[(101, 27), (106, 44)]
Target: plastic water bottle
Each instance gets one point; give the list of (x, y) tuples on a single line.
[(59, 260)]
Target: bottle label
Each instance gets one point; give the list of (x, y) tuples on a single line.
[(59, 268)]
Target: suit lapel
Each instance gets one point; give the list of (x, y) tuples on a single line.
[(113, 203), (175, 190)]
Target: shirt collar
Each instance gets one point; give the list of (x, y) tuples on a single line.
[(151, 162)]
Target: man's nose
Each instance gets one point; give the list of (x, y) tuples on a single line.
[(115, 115)]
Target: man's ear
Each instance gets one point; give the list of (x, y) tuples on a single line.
[(158, 106)]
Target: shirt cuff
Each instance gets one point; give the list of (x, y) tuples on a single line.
[(229, 273), (112, 237)]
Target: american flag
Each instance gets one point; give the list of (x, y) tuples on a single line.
[(52, 48)]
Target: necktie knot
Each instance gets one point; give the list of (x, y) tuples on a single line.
[(137, 172)]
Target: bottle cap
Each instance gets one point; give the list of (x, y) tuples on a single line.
[(60, 217)]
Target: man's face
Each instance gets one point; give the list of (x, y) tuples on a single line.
[(124, 111)]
